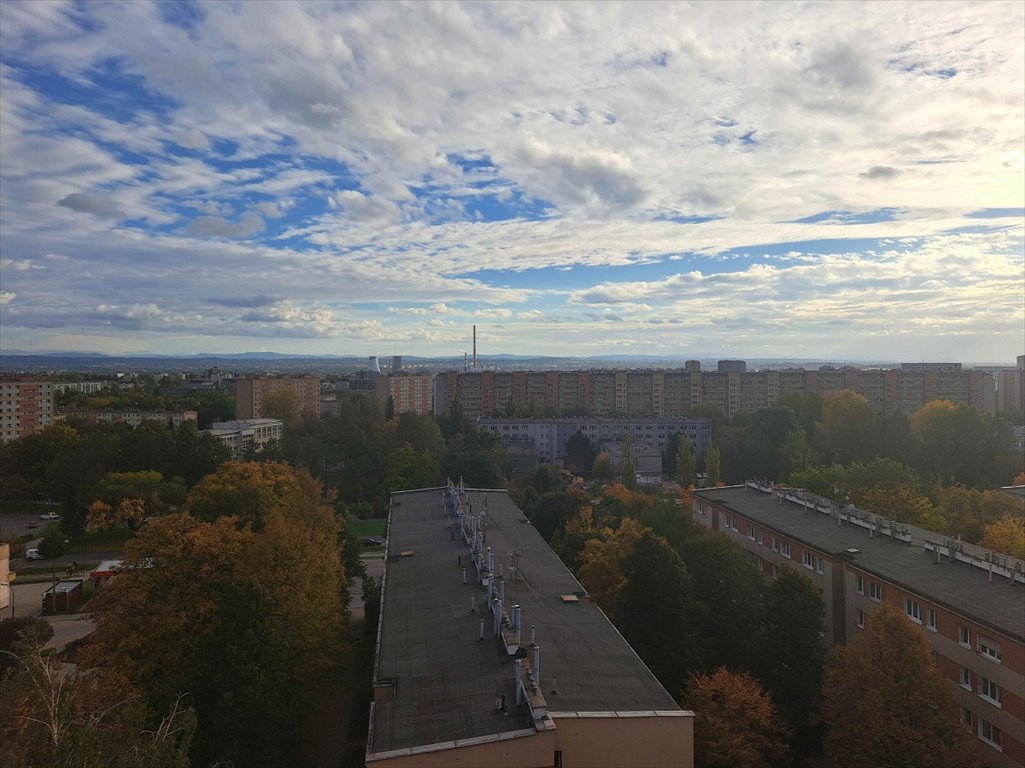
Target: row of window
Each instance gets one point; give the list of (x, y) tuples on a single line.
[(987, 732)]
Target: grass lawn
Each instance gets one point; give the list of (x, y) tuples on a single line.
[(368, 527)]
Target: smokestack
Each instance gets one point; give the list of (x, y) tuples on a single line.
[(519, 691), (475, 347), (533, 634), (537, 663)]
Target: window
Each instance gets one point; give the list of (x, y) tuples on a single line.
[(966, 678), (964, 636), (751, 532), (807, 560), (933, 620), (775, 544), (861, 585), (913, 610), (966, 716), (989, 690), (818, 565), (989, 733), (759, 538), (989, 649), (861, 618), (785, 548), (875, 591)]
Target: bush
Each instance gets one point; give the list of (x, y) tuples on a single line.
[(17, 543)]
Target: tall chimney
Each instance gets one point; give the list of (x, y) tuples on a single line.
[(475, 347), (537, 663)]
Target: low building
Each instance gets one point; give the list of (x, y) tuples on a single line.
[(246, 436), (132, 418), (968, 602), (490, 653), (550, 436)]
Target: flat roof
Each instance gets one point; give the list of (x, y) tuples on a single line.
[(959, 586), (446, 681)]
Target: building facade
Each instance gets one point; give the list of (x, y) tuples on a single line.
[(131, 417), (968, 602), (247, 436), (549, 436), (674, 393), (490, 653), (25, 407), (250, 394), (410, 392)]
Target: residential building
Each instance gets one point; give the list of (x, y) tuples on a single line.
[(85, 387), (968, 602), (549, 436), (1011, 387), (250, 394), (410, 392), (131, 417), (26, 407), (246, 436), (490, 653), (677, 392)]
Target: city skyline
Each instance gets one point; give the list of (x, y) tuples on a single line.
[(840, 181)]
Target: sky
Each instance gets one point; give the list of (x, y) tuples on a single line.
[(825, 180)]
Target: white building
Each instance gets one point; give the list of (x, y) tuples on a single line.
[(248, 435)]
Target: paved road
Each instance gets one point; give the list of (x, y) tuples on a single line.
[(28, 601)]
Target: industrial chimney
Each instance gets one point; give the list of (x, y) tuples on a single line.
[(374, 366)]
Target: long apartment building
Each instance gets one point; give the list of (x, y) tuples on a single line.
[(676, 392), (133, 417), (549, 436), (410, 392), (26, 407), (969, 602), (250, 394), (490, 653)]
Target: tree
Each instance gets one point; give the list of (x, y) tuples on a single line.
[(477, 457), (727, 599), (712, 464), (628, 469), (685, 464), (602, 467), (244, 490), (53, 545), (652, 610), (847, 431), (735, 722), (389, 408), (601, 562), (789, 657), (579, 452), (282, 403), (886, 704), (1006, 536)]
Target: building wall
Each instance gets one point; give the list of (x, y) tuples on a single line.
[(848, 601), (410, 392), (249, 395), (514, 750), (627, 739), (26, 407)]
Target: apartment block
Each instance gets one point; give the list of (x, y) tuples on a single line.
[(131, 417), (410, 392), (25, 407), (676, 392), (490, 653), (968, 602), (549, 436), (250, 394)]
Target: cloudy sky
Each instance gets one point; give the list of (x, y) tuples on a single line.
[(829, 180)]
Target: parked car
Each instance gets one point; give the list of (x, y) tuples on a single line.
[(370, 541), (33, 554), (50, 516)]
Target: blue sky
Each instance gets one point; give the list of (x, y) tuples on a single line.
[(825, 180)]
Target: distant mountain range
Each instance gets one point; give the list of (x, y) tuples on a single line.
[(249, 362)]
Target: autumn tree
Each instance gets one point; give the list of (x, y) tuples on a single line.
[(244, 490), (1006, 536), (282, 403), (712, 465), (602, 467), (601, 562), (736, 724), (885, 702), (847, 432)]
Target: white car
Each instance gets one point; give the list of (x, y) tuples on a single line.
[(50, 516), (33, 554)]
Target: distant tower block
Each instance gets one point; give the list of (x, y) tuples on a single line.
[(396, 363), (692, 365), (374, 366)]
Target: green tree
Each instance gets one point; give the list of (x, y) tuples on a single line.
[(283, 403), (602, 467), (628, 468), (735, 724), (389, 408), (886, 704), (579, 452), (685, 466), (712, 464), (848, 429), (789, 656), (53, 544), (477, 457)]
